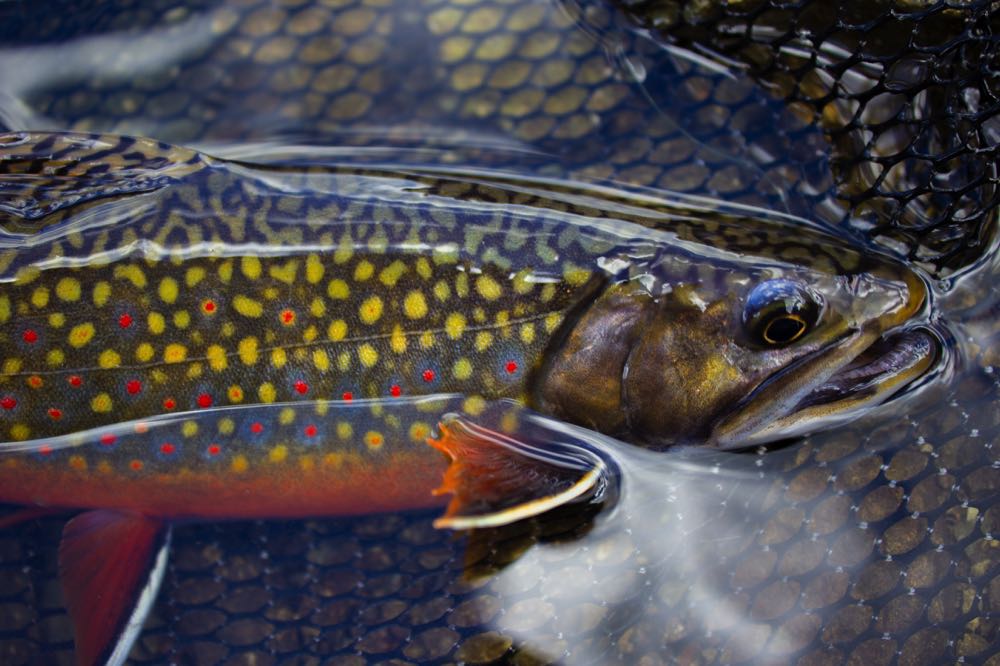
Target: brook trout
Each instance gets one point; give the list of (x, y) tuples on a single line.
[(189, 338)]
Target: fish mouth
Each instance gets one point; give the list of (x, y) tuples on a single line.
[(828, 386)]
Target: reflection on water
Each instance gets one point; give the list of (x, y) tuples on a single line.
[(872, 541)]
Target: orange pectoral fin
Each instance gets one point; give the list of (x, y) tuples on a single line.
[(497, 478), (110, 567)]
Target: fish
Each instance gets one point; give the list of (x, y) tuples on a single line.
[(189, 338)]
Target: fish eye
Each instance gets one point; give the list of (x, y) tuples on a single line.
[(779, 312)]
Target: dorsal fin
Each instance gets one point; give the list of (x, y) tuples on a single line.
[(110, 566), (44, 172)]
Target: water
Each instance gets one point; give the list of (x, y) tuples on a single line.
[(874, 540)]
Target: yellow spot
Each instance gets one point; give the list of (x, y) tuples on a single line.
[(55, 357), (101, 294), (285, 273), (228, 329), (278, 453), (333, 460), (321, 360), (552, 322), (101, 403), (522, 283), (194, 275), (442, 291), (235, 393), (314, 269), (195, 371), (462, 369), (488, 288), (266, 392), (216, 356), (226, 271), (132, 273), (144, 352), (226, 426), (159, 376), (19, 432), (248, 307), (109, 358), (4, 308), (419, 431), (307, 463), (174, 353), (104, 467), (483, 340), (528, 333), (157, 324), (371, 310), (247, 350), (189, 428), (250, 266), (363, 270), (239, 464), (454, 325), (182, 319), (310, 334), (40, 297), (344, 362), (427, 340), (338, 289), (11, 366), (390, 274), (57, 320), (474, 405), (278, 357), (78, 463), (462, 285), (68, 289), (424, 268), (344, 430), (286, 416), (168, 290), (374, 440), (414, 305), (317, 308), (548, 292), (398, 340), (367, 355), (81, 334), (575, 275)]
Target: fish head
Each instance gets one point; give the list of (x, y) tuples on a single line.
[(732, 350)]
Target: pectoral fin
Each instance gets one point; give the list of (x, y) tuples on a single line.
[(498, 477), (110, 566)]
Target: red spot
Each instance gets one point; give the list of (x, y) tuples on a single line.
[(301, 387), (45, 450), (125, 320), (75, 381), (136, 465), (133, 386), (395, 390), (55, 414), (141, 428), (287, 317), (108, 439), (167, 448), (348, 396), (34, 381), (310, 430), (256, 427), (204, 400), (511, 367), (7, 402), (428, 375), (208, 307), (169, 403), (214, 449), (30, 336)]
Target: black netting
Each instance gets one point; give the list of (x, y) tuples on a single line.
[(906, 92)]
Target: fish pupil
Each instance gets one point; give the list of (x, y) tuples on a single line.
[(784, 329)]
